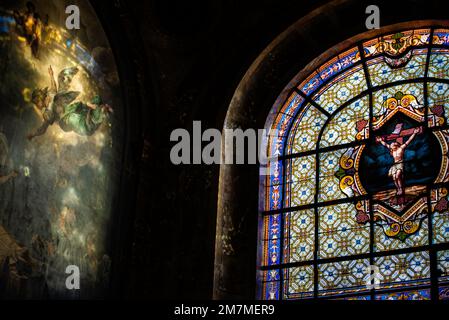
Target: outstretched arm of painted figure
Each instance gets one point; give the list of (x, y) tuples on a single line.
[(381, 141), (415, 132), (53, 87), (4, 179), (105, 107), (40, 131)]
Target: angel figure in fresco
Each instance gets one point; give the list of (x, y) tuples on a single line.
[(57, 106), (29, 25), (397, 150)]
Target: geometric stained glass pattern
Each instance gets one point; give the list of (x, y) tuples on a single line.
[(344, 123), (438, 97), (335, 94), (299, 238), (307, 126), (361, 182), (381, 73), (382, 242), (343, 277), (339, 234), (301, 168), (439, 64), (443, 274), (301, 192), (329, 184), (300, 282), (404, 270), (440, 226), (443, 264)]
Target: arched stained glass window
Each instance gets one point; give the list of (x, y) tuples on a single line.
[(359, 176)]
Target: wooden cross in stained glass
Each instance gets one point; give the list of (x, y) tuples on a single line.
[(399, 134)]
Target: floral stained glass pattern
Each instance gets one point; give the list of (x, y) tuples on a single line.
[(300, 236), (343, 127), (439, 64), (339, 234), (343, 277), (438, 97), (404, 270), (302, 167), (299, 282), (362, 178), (443, 264), (382, 242), (406, 295), (396, 44), (414, 67), (440, 222), (308, 127), (335, 94), (384, 99), (282, 121), (300, 193), (329, 184), (443, 274)]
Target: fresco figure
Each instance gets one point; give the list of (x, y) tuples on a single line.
[(29, 25), (57, 106), (4, 179)]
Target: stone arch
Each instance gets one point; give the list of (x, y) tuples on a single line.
[(329, 29)]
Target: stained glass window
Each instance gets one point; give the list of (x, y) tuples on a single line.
[(355, 202)]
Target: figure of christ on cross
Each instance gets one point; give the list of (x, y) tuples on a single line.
[(397, 149)]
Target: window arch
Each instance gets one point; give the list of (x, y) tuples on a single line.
[(359, 175)]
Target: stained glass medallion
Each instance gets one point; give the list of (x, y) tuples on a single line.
[(396, 167), (364, 173)]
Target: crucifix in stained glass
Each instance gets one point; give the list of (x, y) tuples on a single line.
[(365, 172)]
